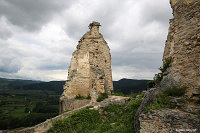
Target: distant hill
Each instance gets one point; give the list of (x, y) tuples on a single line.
[(127, 86), (11, 83), (56, 86)]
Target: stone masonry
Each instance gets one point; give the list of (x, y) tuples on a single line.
[(90, 71), (183, 45)]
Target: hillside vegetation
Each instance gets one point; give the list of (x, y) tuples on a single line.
[(26, 103), (111, 119)]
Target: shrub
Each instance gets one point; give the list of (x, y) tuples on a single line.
[(166, 64), (150, 84), (158, 77), (88, 97), (102, 96), (175, 91), (79, 97), (161, 101), (118, 94)]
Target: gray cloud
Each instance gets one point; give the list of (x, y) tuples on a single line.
[(142, 61), (135, 31), (31, 14), (4, 34), (53, 64), (5, 31), (9, 65), (156, 12), (105, 12), (9, 59)]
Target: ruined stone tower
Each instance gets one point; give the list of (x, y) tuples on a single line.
[(183, 45), (90, 71)]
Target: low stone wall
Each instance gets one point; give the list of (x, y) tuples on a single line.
[(71, 104), (44, 126)]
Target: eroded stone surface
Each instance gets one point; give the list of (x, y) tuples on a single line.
[(183, 44), (90, 71), (169, 121)]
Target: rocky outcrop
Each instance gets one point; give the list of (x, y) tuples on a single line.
[(169, 121), (147, 100), (183, 45), (90, 71)]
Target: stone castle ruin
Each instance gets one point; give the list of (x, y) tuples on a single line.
[(89, 73), (183, 45), (182, 52)]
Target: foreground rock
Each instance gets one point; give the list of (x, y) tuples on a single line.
[(169, 121), (90, 71)]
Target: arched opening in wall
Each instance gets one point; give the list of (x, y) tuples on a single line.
[(105, 61)]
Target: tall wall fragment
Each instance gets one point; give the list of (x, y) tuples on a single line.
[(90, 71), (183, 45)]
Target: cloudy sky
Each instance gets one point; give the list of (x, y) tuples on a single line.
[(37, 37)]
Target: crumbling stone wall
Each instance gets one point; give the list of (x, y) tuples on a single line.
[(183, 44), (90, 71)]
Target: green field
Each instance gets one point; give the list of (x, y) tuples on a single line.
[(21, 111), (21, 107)]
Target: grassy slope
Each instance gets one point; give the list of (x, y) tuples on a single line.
[(112, 119)]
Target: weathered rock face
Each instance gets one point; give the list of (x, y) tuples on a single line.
[(90, 71), (183, 44), (169, 121)]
